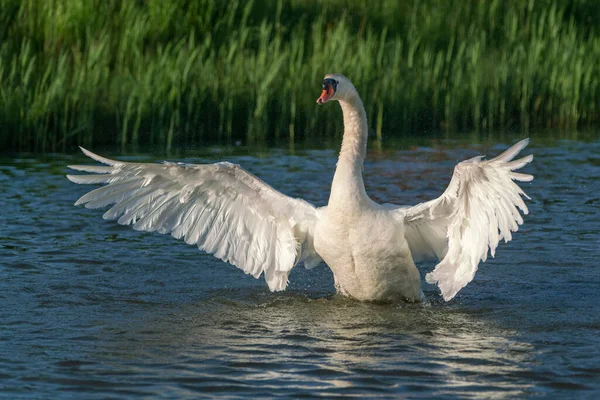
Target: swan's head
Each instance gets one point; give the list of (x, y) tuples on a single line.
[(336, 87)]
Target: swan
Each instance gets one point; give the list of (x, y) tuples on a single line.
[(370, 248)]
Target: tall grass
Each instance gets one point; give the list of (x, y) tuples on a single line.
[(180, 72)]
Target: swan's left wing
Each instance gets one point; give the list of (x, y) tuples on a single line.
[(479, 208), (220, 208)]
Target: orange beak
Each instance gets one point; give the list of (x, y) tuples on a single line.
[(326, 95)]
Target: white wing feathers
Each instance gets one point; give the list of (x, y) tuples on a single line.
[(220, 207), (479, 208)]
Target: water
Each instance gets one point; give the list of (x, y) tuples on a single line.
[(95, 310)]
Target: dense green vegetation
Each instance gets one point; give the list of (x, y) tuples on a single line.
[(176, 72)]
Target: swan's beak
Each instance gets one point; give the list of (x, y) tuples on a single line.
[(326, 95)]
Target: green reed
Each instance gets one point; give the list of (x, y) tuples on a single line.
[(183, 72)]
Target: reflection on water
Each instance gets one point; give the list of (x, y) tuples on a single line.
[(95, 310), (293, 344)]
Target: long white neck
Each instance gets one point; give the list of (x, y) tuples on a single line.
[(348, 187)]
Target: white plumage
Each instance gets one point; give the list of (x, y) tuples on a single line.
[(370, 248), (221, 208), (478, 209)]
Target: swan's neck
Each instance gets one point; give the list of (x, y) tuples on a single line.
[(348, 185), (354, 143)]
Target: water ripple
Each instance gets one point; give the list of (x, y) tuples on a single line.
[(95, 310)]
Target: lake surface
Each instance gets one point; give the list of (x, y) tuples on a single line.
[(90, 309)]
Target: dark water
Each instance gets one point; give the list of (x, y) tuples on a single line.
[(94, 310)]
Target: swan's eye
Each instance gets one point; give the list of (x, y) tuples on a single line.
[(330, 83)]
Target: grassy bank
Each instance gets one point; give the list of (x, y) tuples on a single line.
[(179, 71)]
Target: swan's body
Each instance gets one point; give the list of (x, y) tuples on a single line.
[(360, 240), (371, 248), (368, 254)]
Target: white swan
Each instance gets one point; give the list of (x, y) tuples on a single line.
[(371, 248)]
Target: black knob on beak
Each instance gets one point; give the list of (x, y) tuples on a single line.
[(329, 82)]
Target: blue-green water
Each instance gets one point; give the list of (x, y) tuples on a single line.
[(90, 309)]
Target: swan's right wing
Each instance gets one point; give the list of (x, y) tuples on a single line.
[(479, 208), (220, 208)]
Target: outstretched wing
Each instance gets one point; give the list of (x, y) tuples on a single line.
[(220, 207), (478, 209)]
